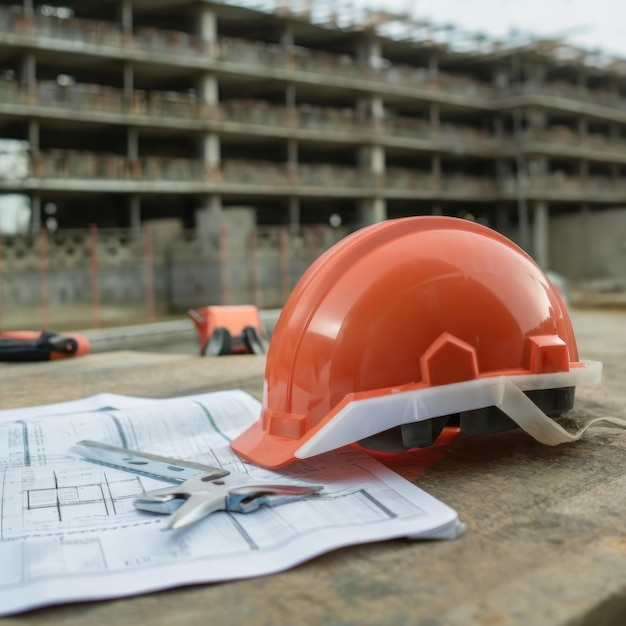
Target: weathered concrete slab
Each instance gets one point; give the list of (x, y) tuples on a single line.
[(127, 372), (546, 542)]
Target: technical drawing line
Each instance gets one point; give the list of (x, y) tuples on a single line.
[(216, 428), (387, 511), (119, 428), (25, 441)]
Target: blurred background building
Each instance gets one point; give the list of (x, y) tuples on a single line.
[(265, 131)]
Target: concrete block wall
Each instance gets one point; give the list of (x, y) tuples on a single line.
[(589, 247), (259, 269), (186, 270), (59, 280)]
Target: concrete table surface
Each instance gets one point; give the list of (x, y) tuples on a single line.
[(546, 542)]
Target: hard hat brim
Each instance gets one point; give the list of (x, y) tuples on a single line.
[(260, 447), (357, 416)]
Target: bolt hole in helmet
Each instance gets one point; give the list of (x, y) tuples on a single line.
[(407, 326)]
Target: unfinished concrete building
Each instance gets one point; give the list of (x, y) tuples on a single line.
[(136, 110)]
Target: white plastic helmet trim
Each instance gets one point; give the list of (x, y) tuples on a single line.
[(363, 418), (527, 415)]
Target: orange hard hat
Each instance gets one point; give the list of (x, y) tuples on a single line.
[(403, 324)]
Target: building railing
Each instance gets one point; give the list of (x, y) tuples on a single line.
[(71, 165), (566, 137), (74, 164), (272, 58), (254, 53), (251, 56), (319, 179), (158, 105), (566, 186), (574, 93)]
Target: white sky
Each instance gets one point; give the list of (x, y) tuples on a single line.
[(590, 24)]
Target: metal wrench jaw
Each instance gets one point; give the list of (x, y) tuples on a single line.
[(166, 503), (195, 508), (200, 496), (248, 498), (188, 502), (241, 499)]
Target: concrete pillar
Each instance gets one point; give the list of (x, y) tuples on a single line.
[(371, 107), (433, 65), (35, 213), (33, 135), (208, 89), (129, 82), (536, 73), (292, 163), (207, 85), (503, 170), (521, 173), (522, 216), (538, 167), (290, 95), (498, 126), (126, 16), (437, 210), (541, 245), (435, 169), (372, 159), (536, 118), (501, 78), (583, 129), (132, 144), (294, 213), (210, 147), (28, 70), (27, 6), (287, 39), (586, 234), (369, 53), (435, 117), (378, 107), (206, 25), (209, 220), (371, 211), (583, 171), (502, 220), (211, 151), (135, 213), (292, 152)]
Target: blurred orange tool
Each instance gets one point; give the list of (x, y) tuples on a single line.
[(44, 345), (228, 330)]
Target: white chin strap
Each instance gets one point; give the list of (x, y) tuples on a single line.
[(362, 418), (528, 416)]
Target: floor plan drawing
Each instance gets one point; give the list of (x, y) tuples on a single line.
[(49, 500), (69, 529)]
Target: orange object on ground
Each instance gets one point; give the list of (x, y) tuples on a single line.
[(44, 345), (228, 330), (407, 326)]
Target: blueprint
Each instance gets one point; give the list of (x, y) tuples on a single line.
[(69, 530)]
